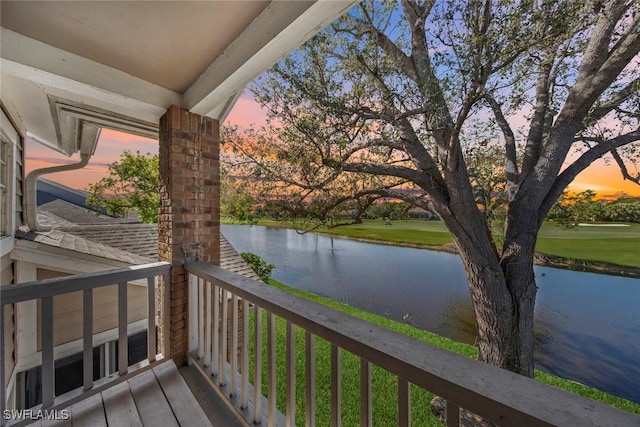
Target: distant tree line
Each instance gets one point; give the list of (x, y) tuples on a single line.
[(573, 208)]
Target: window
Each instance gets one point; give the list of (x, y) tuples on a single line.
[(5, 161), (68, 370), (8, 141)]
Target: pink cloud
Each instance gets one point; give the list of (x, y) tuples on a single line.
[(246, 112)]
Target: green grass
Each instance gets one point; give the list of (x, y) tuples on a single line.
[(384, 383), (611, 245)]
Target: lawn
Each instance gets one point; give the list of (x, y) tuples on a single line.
[(384, 384), (613, 245)]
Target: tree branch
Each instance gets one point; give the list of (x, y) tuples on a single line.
[(511, 163), (569, 174), (623, 168), (613, 102)]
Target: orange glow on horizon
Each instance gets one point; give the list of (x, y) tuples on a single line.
[(606, 180)]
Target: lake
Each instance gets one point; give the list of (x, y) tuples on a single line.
[(587, 325)]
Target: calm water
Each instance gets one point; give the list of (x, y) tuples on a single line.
[(587, 325)]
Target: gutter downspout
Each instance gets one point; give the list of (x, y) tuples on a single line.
[(31, 180)]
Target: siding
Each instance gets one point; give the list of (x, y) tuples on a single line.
[(67, 310), (6, 277)]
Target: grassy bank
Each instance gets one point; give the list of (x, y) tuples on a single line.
[(601, 244), (384, 384)]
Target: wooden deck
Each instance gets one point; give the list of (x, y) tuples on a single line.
[(157, 397)]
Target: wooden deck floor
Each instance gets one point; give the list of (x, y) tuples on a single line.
[(157, 397)]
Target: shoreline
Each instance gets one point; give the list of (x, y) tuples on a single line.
[(540, 259)]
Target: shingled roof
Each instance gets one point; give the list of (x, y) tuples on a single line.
[(76, 230)]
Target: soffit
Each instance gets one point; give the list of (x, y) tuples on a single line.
[(70, 67), (165, 43)]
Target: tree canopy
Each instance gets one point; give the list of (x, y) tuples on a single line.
[(131, 183), (399, 95)]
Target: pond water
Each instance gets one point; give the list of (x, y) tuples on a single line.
[(587, 325)]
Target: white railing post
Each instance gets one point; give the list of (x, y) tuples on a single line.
[(87, 342), (257, 367), (291, 374), (48, 363), (207, 323), (152, 346), (224, 325), (193, 312), (123, 344), (244, 374), (310, 379), (234, 344), (201, 322), (271, 366), (336, 386), (215, 346)]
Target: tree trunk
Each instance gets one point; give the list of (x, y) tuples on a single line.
[(503, 301)]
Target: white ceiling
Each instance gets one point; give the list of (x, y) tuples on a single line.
[(121, 64)]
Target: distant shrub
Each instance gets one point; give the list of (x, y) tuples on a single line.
[(257, 264)]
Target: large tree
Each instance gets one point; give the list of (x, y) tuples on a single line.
[(131, 184), (397, 94)]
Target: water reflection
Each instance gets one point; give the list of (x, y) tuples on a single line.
[(587, 326)]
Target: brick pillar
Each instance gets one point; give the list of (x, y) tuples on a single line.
[(189, 221)]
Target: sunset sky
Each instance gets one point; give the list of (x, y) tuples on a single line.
[(600, 177)]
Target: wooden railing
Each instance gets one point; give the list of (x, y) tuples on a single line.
[(46, 290), (220, 301)]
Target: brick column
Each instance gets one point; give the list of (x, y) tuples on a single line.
[(189, 221)]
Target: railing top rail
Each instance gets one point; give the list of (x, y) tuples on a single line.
[(11, 294), (499, 395)]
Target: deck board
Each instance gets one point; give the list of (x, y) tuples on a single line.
[(89, 412), (158, 396), (185, 407), (119, 407), (151, 402)]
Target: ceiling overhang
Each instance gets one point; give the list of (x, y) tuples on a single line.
[(71, 68)]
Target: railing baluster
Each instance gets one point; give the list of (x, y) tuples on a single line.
[(336, 389), (166, 309), (48, 373), (224, 325), (453, 414), (366, 412), (87, 341), (123, 345), (201, 325), (152, 349), (404, 403), (207, 325), (310, 379), (271, 363), (244, 369), (291, 374), (234, 344), (215, 346), (257, 367), (193, 313)]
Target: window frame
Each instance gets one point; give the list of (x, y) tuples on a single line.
[(9, 137)]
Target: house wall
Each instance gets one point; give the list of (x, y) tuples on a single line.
[(68, 310), (12, 169), (6, 277)]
